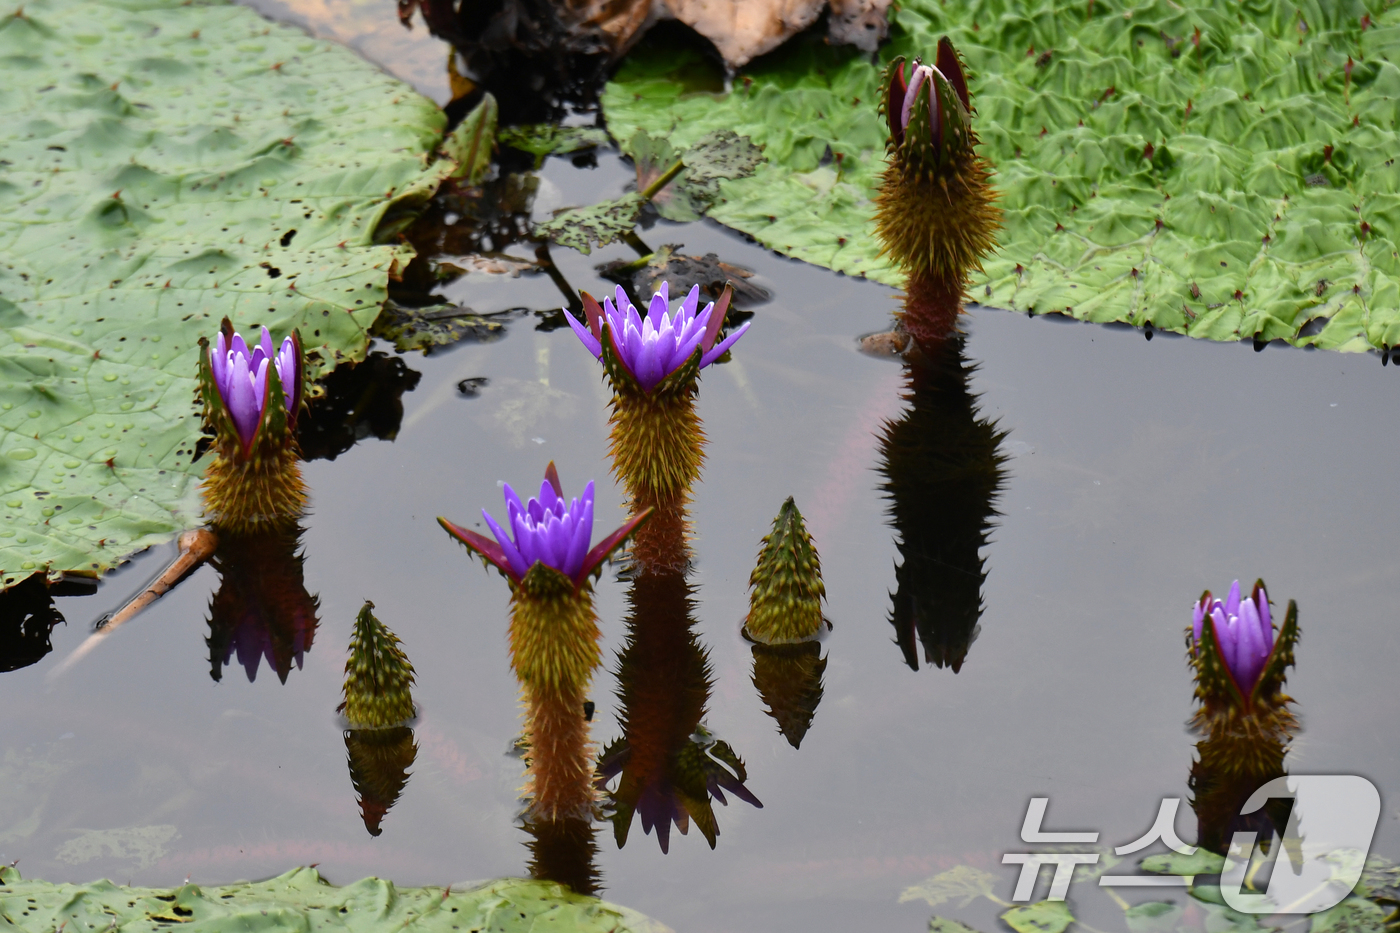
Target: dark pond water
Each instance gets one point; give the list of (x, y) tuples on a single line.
[(1136, 474)]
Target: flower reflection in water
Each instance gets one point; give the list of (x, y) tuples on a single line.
[(1244, 717), (667, 765), (261, 610), (943, 470)]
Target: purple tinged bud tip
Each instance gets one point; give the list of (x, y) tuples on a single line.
[(1244, 632), (240, 375)]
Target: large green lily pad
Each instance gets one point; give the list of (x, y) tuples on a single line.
[(301, 900), (1209, 167), (164, 163)]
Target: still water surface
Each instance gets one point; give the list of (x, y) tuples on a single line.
[(1137, 473)]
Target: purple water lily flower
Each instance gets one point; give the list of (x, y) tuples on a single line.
[(655, 346), (241, 377), (1243, 629), (545, 530)]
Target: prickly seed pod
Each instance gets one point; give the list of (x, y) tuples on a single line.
[(378, 676), (787, 590)]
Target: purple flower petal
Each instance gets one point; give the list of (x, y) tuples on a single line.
[(1232, 602), (1266, 622), (266, 343), (218, 363), (648, 367), (660, 304), (719, 349), (287, 371), (1198, 617), (1223, 637), (513, 555), (584, 335), (691, 302), (242, 406), (916, 81)]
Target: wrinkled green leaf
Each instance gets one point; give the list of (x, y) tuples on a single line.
[(717, 156), (301, 900), (1238, 221), (439, 326), (1040, 917), (1152, 917), (1200, 862), (963, 884), (163, 165), (470, 144), (582, 228), (1353, 915)]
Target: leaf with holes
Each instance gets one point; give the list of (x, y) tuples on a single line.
[(163, 165)]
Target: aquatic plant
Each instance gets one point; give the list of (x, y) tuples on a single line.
[(785, 604), (935, 213), (543, 552), (653, 364), (1240, 663), (251, 401), (378, 676)]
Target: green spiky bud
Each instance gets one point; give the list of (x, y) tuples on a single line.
[(378, 676), (787, 590)]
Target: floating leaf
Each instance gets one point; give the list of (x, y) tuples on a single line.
[(439, 326), (165, 165), (1152, 917), (1353, 915), (302, 900), (1040, 917), (1194, 169), (1200, 862), (599, 224), (964, 884)]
